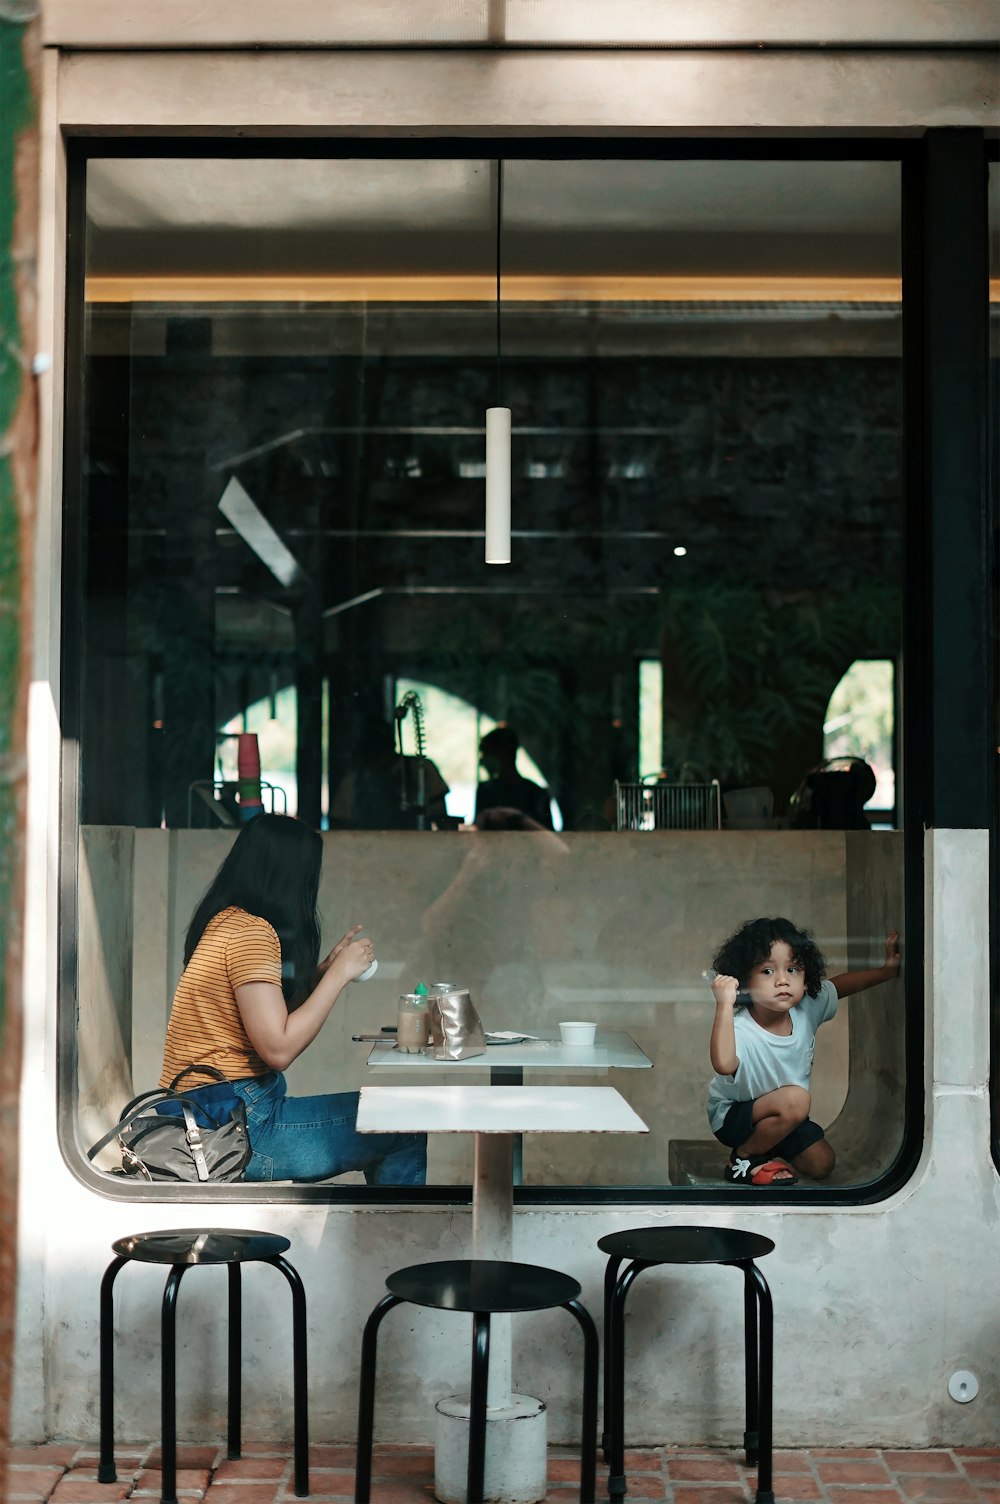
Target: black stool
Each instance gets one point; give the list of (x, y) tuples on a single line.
[(486, 1288), (182, 1249), (646, 1247)]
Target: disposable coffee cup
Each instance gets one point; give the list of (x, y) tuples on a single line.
[(577, 1035)]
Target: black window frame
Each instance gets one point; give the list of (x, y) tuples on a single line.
[(931, 744), (992, 157)]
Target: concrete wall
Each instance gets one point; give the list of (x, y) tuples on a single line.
[(104, 1000)]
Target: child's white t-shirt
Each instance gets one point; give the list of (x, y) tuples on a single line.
[(767, 1060)]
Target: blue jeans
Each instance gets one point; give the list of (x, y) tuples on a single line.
[(312, 1138)]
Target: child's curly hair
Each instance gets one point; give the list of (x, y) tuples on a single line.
[(752, 943)]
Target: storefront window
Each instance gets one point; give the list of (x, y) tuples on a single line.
[(286, 368)]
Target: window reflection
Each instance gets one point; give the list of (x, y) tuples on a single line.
[(455, 730), (283, 536), (860, 721), (272, 720)]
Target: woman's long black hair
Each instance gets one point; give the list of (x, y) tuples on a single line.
[(272, 870), (752, 943)]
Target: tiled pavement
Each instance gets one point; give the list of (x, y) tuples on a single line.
[(66, 1473)]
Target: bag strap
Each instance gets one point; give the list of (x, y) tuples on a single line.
[(130, 1112), (140, 1105), (159, 1093), (194, 1141), (202, 1070)]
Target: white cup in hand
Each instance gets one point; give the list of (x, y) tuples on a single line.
[(367, 975)]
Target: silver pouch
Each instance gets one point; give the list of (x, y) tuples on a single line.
[(456, 1029)]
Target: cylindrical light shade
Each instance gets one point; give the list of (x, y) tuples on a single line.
[(498, 485)]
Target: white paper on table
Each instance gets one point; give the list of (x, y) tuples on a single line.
[(510, 1036)]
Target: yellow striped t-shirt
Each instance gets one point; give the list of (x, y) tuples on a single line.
[(205, 1026)]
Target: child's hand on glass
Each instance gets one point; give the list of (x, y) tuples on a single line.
[(726, 990), (892, 956)]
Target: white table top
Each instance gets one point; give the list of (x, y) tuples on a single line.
[(496, 1109), (613, 1049)]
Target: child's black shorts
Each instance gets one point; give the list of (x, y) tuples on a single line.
[(737, 1127)]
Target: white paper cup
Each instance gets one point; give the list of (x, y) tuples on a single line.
[(578, 1036)]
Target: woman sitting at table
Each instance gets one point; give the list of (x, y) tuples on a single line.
[(253, 995)]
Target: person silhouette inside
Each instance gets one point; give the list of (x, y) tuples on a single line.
[(504, 787), (383, 792)]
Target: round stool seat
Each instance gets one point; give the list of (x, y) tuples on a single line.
[(201, 1245), (184, 1248), (686, 1245), (482, 1289), (641, 1248), (482, 1285)]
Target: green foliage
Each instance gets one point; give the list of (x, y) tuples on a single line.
[(16, 114), (520, 678), (744, 668)]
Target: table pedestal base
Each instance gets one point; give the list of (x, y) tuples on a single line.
[(516, 1438)]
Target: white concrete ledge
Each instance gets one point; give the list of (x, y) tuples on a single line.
[(606, 94)]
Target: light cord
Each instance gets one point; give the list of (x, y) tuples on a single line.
[(499, 401)]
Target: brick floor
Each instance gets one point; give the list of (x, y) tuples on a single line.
[(66, 1473)]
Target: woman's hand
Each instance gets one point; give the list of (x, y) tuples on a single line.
[(726, 990), (339, 948), (356, 957), (279, 1037)]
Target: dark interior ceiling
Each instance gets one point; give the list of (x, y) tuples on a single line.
[(438, 217)]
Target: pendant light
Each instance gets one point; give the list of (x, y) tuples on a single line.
[(498, 439)]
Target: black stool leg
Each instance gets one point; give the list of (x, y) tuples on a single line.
[(751, 1360), (300, 1375), (475, 1485), (588, 1428), (765, 1490), (366, 1399), (168, 1384), (235, 1360), (616, 1359), (610, 1276), (106, 1466)]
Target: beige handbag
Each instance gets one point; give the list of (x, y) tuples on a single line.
[(456, 1029)]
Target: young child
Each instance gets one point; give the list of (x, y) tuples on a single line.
[(770, 998)]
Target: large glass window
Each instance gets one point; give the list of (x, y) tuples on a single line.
[(286, 368)]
